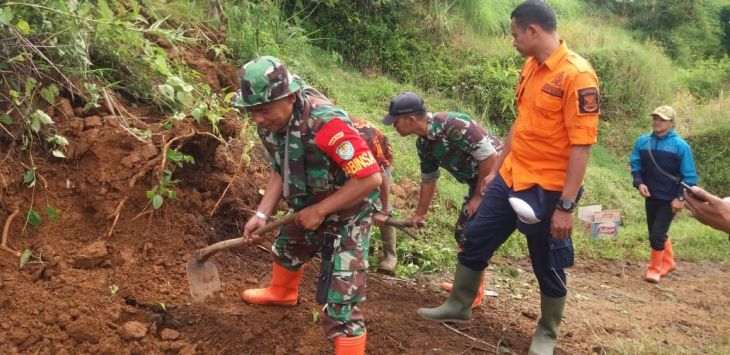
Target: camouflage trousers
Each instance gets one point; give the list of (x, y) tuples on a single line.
[(295, 246), (460, 228)]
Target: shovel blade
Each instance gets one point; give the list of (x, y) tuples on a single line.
[(203, 278)]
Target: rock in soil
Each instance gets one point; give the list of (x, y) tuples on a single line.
[(169, 334), (83, 330), (92, 255), (133, 330)]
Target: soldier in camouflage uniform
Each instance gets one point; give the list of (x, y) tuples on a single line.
[(327, 174), (451, 140), (383, 153)]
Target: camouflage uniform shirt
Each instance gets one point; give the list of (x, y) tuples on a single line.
[(376, 141), (309, 173), (456, 143)]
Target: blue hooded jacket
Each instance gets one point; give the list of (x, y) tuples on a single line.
[(673, 155)]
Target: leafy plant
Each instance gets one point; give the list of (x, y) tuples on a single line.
[(28, 257), (113, 289), (179, 158), (157, 194), (24, 258)]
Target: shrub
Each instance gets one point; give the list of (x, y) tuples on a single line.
[(712, 158), (707, 78), (633, 80)]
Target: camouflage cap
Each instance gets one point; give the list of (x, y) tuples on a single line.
[(265, 79)]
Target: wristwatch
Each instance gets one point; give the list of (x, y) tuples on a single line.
[(566, 205)]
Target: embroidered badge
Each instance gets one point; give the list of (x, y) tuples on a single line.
[(457, 134), (334, 138), (588, 101), (552, 90), (345, 150)]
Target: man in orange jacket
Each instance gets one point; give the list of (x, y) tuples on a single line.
[(537, 179)]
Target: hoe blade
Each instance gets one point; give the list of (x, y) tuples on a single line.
[(203, 278)]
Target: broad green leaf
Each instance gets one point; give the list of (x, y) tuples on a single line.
[(6, 15), (35, 124), (156, 201), (185, 98), (151, 193), (23, 27), (30, 84), (171, 194), (198, 112), (160, 64), (29, 177), (6, 119), (34, 218), (229, 97), (58, 140), (174, 156), (52, 213), (49, 93), (180, 83), (167, 91), (58, 154), (43, 117), (25, 257)]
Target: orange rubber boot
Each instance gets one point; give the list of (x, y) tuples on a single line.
[(654, 271), (668, 263), (283, 290), (480, 293), (448, 286), (350, 345)]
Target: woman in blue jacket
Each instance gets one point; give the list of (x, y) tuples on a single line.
[(659, 162)]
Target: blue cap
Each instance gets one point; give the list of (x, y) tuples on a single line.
[(404, 103)]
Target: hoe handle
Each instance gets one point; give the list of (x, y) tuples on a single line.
[(203, 254), (398, 223)]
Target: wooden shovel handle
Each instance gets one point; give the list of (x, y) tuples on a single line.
[(398, 223), (203, 254)]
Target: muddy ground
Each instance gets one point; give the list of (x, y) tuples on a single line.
[(92, 289)]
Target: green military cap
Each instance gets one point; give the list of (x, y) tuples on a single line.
[(263, 80)]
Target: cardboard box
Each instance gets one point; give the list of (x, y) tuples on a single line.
[(598, 223)]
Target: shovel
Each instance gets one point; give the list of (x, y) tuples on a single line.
[(203, 274)]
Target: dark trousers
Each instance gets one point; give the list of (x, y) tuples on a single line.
[(495, 221), (659, 217)]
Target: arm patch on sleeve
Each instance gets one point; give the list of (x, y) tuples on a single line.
[(588, 101)]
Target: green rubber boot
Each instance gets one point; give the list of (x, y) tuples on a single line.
[(457, 307), (389, 259), (546, 333)]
